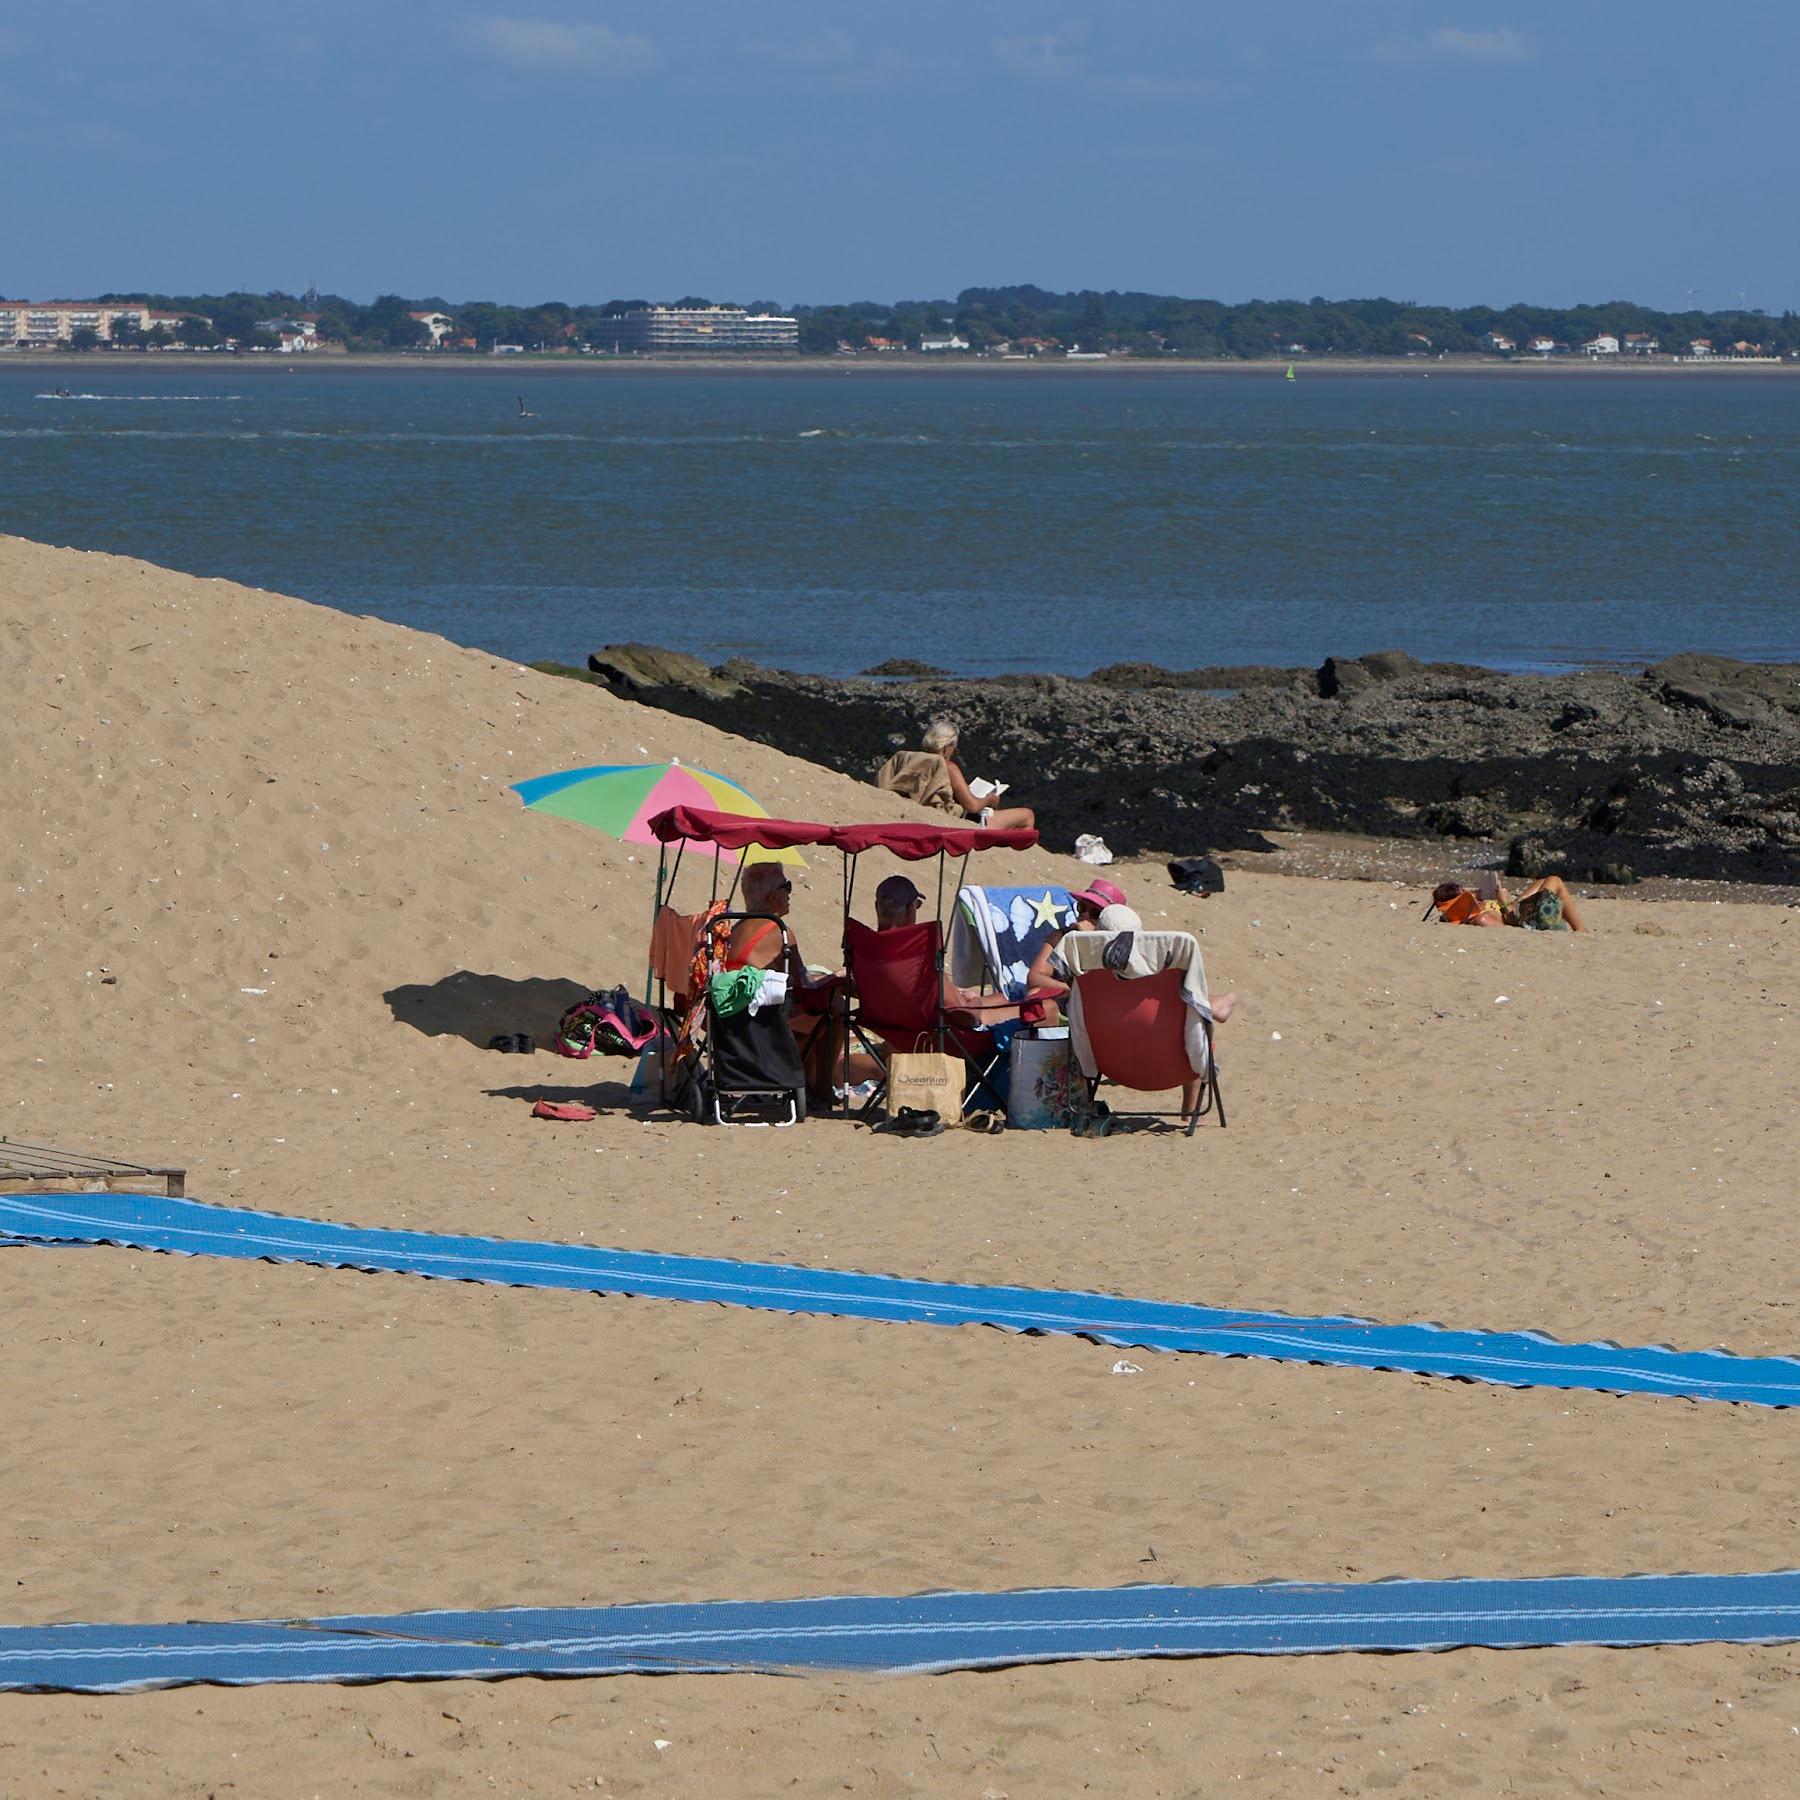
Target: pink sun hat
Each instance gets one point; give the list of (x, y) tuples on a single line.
[(1100, 894)]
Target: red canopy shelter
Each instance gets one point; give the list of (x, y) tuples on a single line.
[(910, 842)]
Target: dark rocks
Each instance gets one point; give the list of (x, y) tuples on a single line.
[(903, 668), (1466, 816), (638, 671), (1601, 775), (1338, 676), (1229, 678)]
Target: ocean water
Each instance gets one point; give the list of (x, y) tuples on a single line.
[(826, 521)]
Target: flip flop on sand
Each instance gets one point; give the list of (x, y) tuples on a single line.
[(912, 1122), (572, 1110)]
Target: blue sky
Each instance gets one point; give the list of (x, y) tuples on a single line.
[(1583, 150)]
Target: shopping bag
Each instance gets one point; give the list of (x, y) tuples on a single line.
[(928, 1081)]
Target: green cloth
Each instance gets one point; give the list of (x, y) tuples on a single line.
[(732, 990)]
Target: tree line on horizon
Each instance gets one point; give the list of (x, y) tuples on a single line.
[(1129, 323)]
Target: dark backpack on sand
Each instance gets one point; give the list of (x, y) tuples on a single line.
[(1197, 875)]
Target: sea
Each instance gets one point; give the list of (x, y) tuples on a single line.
[(982, 522)]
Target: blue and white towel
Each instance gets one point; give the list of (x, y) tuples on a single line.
[(995, 932)]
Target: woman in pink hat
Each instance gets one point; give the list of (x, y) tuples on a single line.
[(1041, 982)]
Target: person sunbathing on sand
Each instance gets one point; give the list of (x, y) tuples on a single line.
[(1547, 905)]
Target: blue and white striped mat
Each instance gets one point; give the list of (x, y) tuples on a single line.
[(1516, 1359), (924, 1634)]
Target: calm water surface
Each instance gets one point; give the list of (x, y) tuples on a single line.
[(982, 522)]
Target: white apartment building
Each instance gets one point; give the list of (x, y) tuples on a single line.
[(703, 328), (42, 324)]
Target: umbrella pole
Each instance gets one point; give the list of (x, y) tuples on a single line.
[(662, 863)]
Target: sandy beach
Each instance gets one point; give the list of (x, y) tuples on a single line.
[(269, 898)]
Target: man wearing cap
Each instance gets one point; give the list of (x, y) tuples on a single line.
[(897, 903), (1042, 983)]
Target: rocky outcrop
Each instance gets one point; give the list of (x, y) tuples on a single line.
[(640, 671), (1689, 768)]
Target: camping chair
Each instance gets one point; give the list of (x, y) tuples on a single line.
[(1138, 1031), (749, 1057), (995, 932), (896, 1003)]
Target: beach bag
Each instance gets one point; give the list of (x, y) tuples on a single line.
[(612, 1023), (1197, 875), (927, 1080)]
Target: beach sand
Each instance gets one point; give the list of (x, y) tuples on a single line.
[(269, 897)]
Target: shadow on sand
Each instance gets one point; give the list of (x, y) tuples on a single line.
[(481, 1007)]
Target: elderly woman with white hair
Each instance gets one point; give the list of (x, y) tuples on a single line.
[(940, 740), (769, 943)]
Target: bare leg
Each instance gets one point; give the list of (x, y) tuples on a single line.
[(1554, 884), (1012, 818), (1191, 1090)]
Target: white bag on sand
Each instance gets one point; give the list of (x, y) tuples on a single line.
[(1091, 849)]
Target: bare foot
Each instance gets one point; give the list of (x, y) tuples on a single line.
[(1224, 1007)]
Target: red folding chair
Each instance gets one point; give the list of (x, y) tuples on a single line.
[(1137, 1030), (896, 986)]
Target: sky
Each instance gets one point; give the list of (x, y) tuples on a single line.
[(798, 151)]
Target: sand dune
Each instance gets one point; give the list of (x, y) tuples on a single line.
[(268, 898)]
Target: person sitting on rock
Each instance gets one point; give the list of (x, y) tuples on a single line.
[(931, 777), (1547, 905)]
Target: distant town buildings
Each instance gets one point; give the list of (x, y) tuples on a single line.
[(674, 329), (294, 336), (1641, 343), (439, 324), (1603, 345), (42, 324), (1501, 346), (939, 344)]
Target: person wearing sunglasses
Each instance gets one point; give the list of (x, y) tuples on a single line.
[(769, 943)]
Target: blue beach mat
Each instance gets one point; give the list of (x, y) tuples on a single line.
[(922, 1635), (1516, 1359)]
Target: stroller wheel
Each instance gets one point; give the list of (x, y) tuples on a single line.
[(700, 1100)]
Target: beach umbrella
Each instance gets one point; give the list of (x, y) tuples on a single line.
[(621, 798)]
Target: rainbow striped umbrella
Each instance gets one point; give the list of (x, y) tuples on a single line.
[(621, 798)]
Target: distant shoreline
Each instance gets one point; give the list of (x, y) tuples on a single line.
[(878, 367)]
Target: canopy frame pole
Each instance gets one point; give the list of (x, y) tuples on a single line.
[(849, 866)]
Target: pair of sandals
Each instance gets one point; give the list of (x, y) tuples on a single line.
[(912, 1122), (516, 1043), (991, 1124), (1099, 1122)]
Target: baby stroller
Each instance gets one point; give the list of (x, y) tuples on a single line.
[(735, 1066)]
